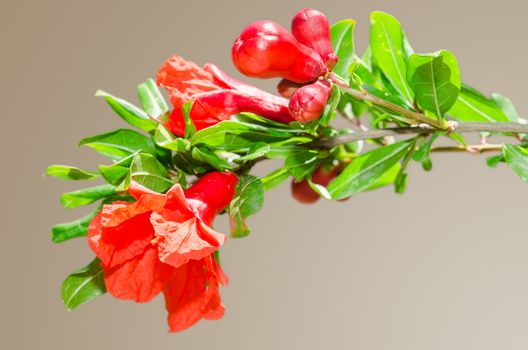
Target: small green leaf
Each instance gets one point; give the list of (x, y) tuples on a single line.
[(301, 164), (387, 43), (66, 172), (493, 161), (205, 155), (120, 144), (517, 158), (422, 154), (506, 105), (83, 285), (473, 106), (190, 129), (151, 99), (128, 112), (69, 230), (259, 149), (164, 138), (342, 36), (366, 169), (86, 196), (435, 80), (149, 172), (275, 178), (331, 106), (247, 201)]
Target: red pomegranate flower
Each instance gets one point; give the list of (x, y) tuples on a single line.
[(216, 95), (164, 243)]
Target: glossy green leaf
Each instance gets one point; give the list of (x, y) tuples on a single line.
[(275, 178), (435, 80), (247, 201), (69, 230), (366, 169), (149, 172), (342, 36), (151, 100), (506, 105), (301, 164), (517, 158), (190, 129), (387, 43), (214, 159), (331, 106), (164, 138), (422, 154), (120, 144), (473, 106), (83, 285), (128, 112), (86, 196), (493, 161), (233, 135), (66, 172)]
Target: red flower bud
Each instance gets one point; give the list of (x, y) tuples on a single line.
[(302, 191), (216, 96), (311, 28), (286, 88), (308, 103), (264, 49)]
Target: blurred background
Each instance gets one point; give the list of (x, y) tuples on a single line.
[(444, 266)]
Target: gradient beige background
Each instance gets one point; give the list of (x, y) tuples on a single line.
[(443, 267)]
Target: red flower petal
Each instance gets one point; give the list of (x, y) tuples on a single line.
[(139, 279), (184, 241), (192, 294), (115, 245), (183, 80)]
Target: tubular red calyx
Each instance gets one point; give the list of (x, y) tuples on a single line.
[(311, 28), (265, 49), (216, 96), (308, 102)]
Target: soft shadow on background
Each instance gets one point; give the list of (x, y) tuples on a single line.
[(443, 267)]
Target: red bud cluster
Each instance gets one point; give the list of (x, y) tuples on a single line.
[(266, 50)]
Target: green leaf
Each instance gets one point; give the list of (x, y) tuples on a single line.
[(69, 230), (275, 178), (128, 112), (301, 164), (190, 129), (473, 106), (233, 135), (120, 144), (342, 36), (259, 149), (366, 169), (67, 172), (86, 196), (422, 154), (387, 43), (151, 99), (331, 106), (83, 285), (248, 200), (206, 155), (493, 161), (164, 138), (517, 158), (435, 80), (149, 172), (506, 105)]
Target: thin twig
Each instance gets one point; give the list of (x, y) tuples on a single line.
[(418, 130)]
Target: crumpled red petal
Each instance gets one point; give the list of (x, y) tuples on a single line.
[(116, 245), (192, 294), (139, 279)]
